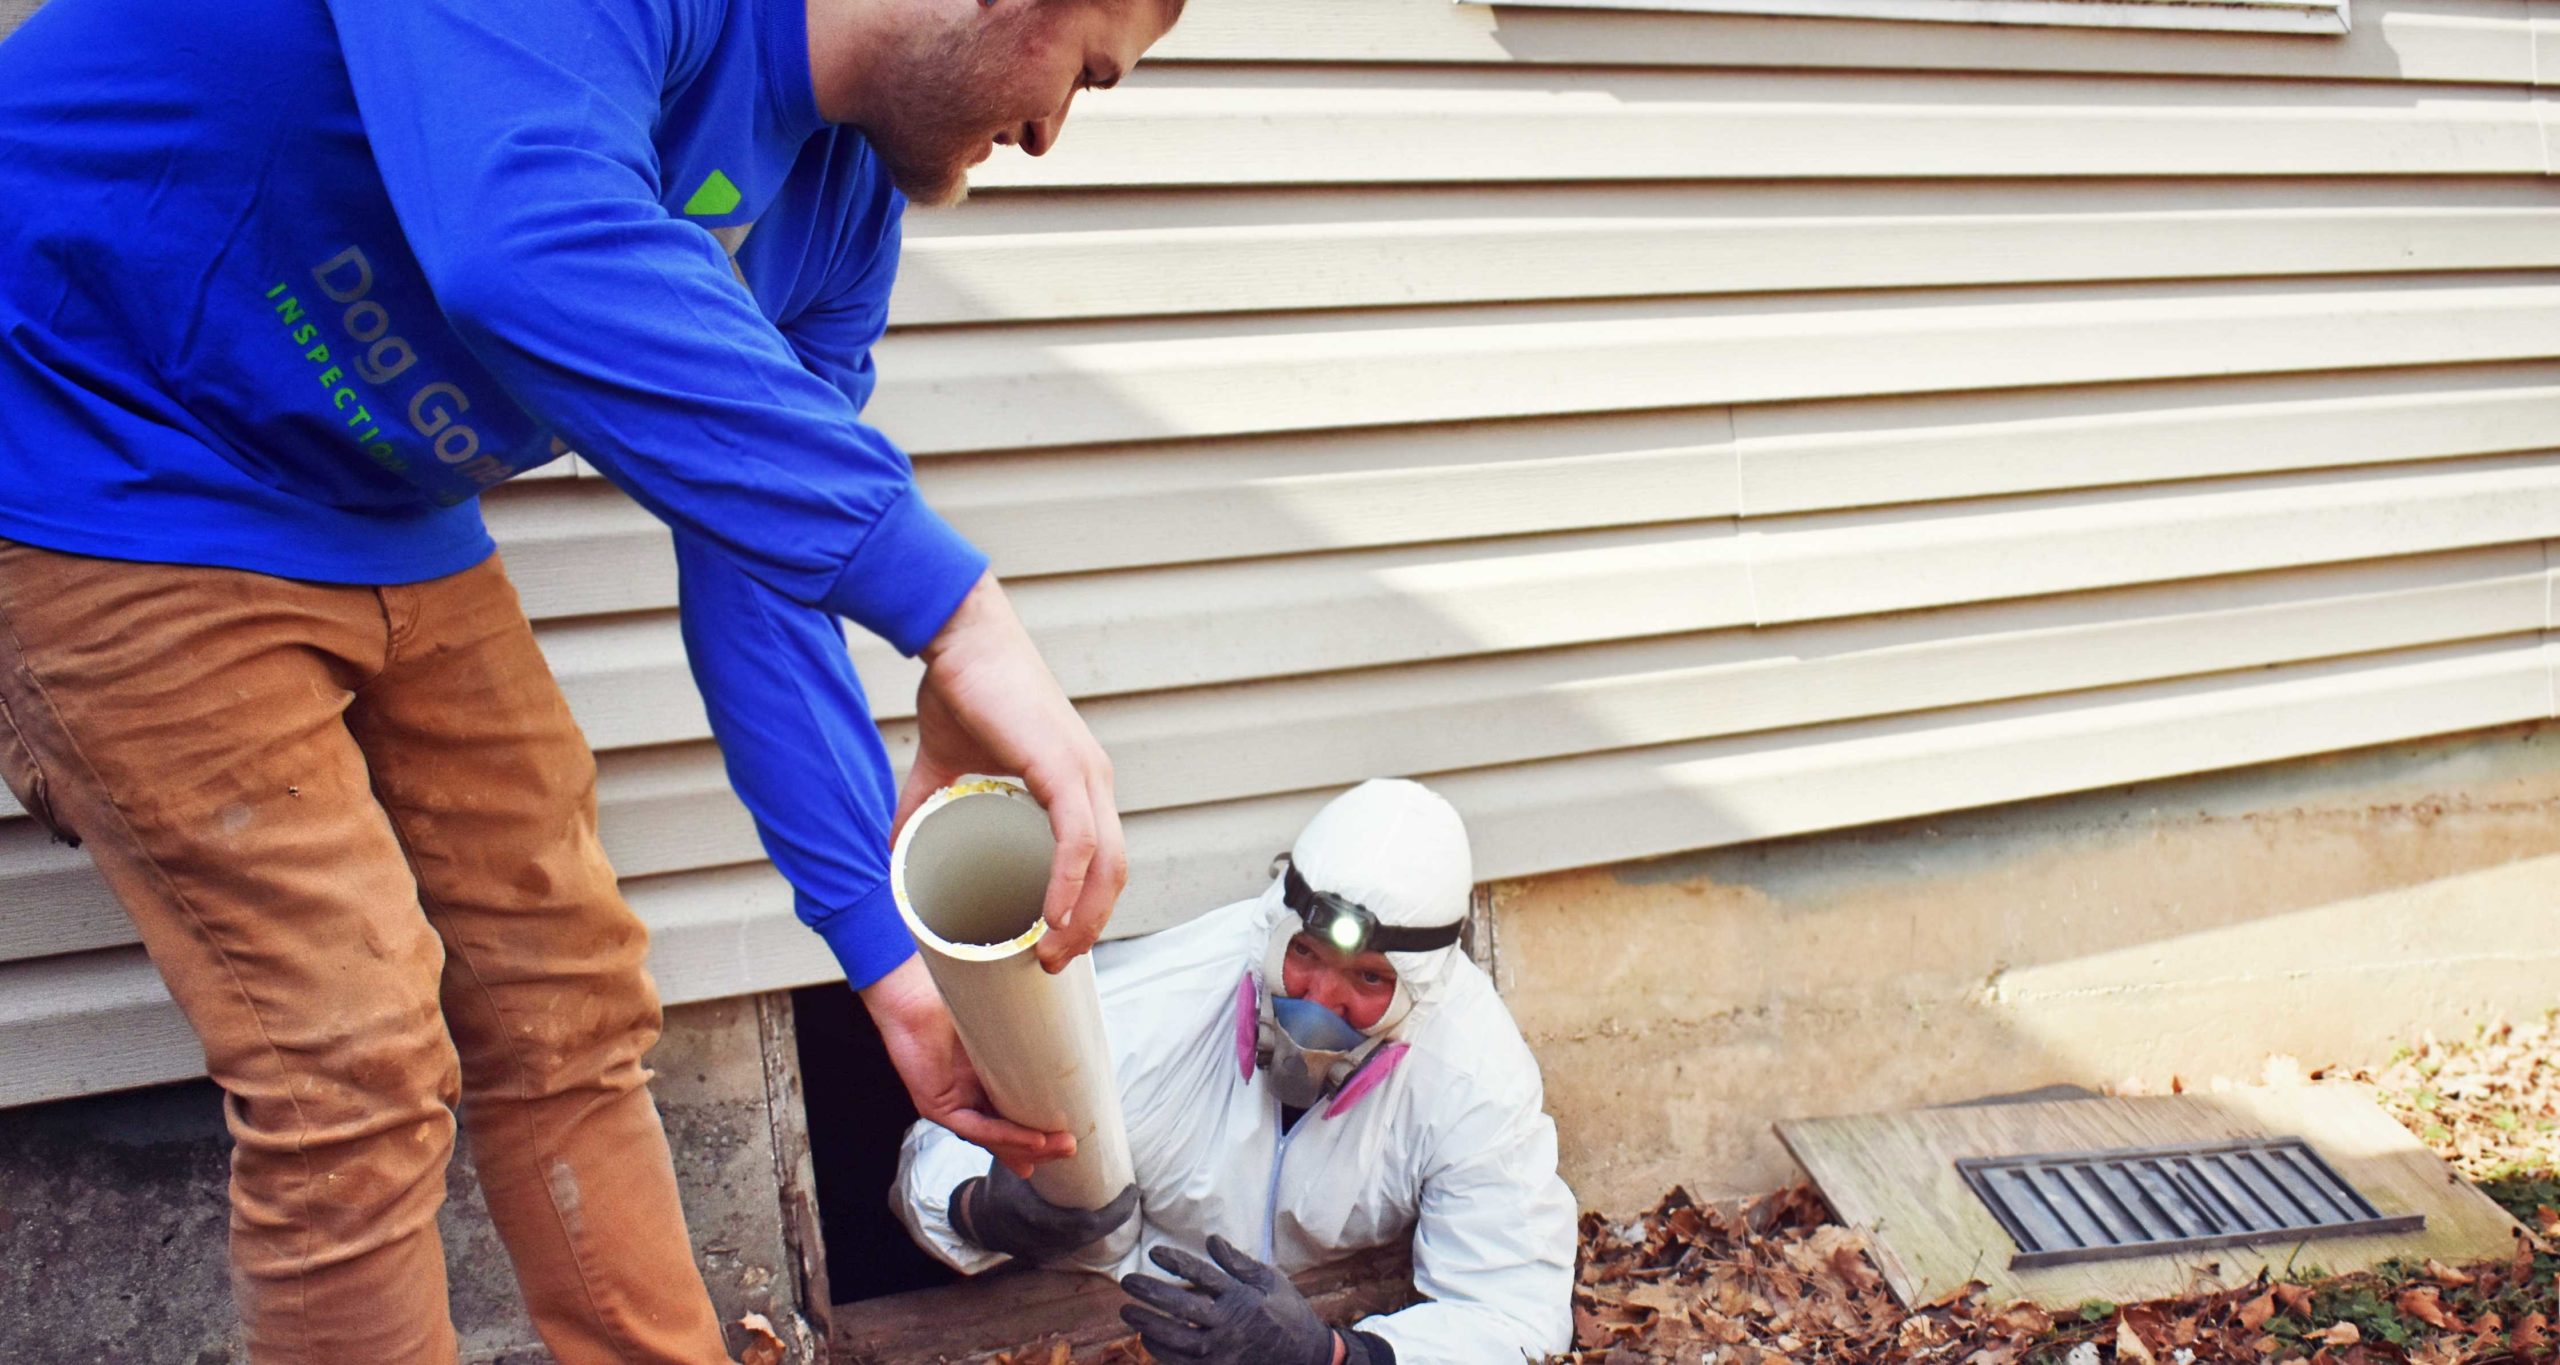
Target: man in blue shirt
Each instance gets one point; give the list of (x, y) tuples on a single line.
[(287, 284)]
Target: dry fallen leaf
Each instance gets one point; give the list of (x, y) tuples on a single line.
[(1668, 1300), (1957, 1295), (2446, 1275), (2336, 1334), (1589, 1332), (2440, 1351), (2422, 1304), (763, 1346), (1722, 1330), (1918, 1334), (2129, 1346), (2254, 1313), (2022, 1319)]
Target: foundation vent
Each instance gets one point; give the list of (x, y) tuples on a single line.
[(2102, 1205)]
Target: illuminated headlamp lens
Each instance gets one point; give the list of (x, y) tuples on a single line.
[(1339, 922)]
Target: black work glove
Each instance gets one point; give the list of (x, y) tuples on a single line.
[(1237, 1311), (1001, 1212)]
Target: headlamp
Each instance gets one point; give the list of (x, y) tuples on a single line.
[(1348, 925)]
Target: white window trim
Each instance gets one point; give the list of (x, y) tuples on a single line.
[(2319, 17)]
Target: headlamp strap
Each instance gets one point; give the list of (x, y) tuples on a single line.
[(1309, 903)]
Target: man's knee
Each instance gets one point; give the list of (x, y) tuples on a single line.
[(342, 1148), (579, 1022)]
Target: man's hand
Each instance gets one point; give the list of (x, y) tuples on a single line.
[(989, 705), (916, 1027), (1001, 1212), (1228, 1310)]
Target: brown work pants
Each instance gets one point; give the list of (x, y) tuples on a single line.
[(356, 829)]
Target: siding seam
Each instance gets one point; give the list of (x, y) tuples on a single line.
[(2538, 17), (1744, 536), (2550, 652)]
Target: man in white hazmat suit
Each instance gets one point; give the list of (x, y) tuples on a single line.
[(1307, 1074)]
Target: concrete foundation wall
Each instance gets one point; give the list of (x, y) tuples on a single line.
[(113, 1218), (2189, 929)]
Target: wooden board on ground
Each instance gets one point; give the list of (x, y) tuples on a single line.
[(1893, 1176), (1026, 1315)]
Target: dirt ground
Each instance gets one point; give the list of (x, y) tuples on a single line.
[(1778, 1280)]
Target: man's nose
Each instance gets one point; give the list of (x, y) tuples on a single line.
[(1038, 138), (1327, 990)]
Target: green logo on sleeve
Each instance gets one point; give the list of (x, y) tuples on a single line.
[(717, 196)]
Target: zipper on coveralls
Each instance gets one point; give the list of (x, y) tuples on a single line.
[(1271, 1206)]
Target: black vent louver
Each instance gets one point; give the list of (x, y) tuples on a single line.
[(2094, 1206)]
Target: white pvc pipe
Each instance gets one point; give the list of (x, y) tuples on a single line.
[(969, 873)]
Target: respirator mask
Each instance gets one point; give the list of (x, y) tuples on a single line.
[(1306, 1050)]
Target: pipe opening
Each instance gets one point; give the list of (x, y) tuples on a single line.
[(976, 868)]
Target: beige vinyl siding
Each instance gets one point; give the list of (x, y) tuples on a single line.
[(2491, 43), (1659, 431), (2325, 17)]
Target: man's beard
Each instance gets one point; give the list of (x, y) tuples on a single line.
[(950, 100)]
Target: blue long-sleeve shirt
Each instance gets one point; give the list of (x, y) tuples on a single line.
[(284, 284)]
